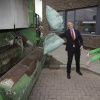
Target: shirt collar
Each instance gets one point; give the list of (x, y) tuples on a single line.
[(71, 30)]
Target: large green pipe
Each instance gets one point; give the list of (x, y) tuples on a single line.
[(17, 83)]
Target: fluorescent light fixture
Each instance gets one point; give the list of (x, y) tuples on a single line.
[(89, 9), (89, 22), (79, 14)]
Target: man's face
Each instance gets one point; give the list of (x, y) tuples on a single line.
[(70, 25)]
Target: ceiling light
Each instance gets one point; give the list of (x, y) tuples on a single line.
[(89, 9)]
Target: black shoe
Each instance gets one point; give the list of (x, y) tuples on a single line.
[(68, 76), (79, 73)]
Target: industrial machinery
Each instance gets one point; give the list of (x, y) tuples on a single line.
[(21, 60)]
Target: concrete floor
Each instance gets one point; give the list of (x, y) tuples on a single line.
[(61, 55), (54, 85)]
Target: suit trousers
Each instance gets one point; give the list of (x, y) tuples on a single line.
[(75, 52)]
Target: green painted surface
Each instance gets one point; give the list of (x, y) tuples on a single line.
[(20, 86), (32, 82), (7, 56), (34, 77), (1, 97), (3, 92), (34, 22), (31, 13), (30, 34), (21, 90), (6, 35)]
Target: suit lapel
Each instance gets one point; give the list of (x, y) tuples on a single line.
[(69, 34), (75, 33)]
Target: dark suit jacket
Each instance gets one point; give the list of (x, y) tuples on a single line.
[(77, 42)]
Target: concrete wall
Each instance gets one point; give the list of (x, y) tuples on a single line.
[(71, 4)]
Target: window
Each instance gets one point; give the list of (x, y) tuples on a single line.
[(98, 22), (70, 16), (86, 20)]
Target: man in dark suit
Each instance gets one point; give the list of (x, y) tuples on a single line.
[(74, 46)]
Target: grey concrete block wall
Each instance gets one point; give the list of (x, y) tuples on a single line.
[(66, 5)]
